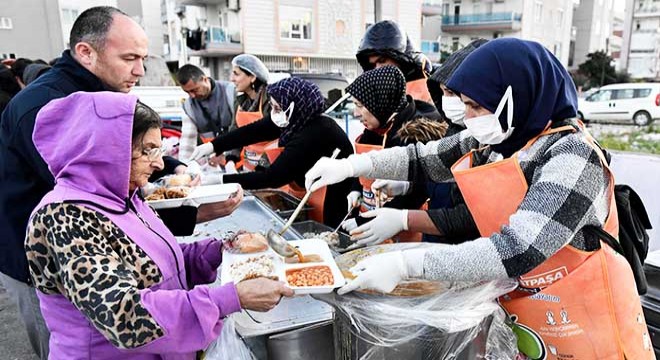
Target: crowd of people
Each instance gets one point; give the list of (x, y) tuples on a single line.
[(482, 155)]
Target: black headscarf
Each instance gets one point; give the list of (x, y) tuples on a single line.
[(308, 100), (382, 91)]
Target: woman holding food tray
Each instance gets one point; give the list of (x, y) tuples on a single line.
[(111, 278)]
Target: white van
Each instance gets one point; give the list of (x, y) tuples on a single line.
[(639, 102)]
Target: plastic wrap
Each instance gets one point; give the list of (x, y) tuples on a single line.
[(421, 319), (229, 345)]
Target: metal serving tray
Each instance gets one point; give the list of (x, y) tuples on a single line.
[(252, 215), (311, 226), (291, 313), (283, 203)]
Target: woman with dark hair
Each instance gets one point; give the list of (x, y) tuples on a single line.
[(536, 184), (303, 136), (111, 278)]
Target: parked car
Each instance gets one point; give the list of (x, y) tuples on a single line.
[(638, 102)]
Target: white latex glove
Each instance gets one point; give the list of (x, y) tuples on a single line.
[(201, 151), (212, 179), (230, 168), (327, 171), (391, 188), (353, 199), (380, 272), (349, 224), (386, 223)]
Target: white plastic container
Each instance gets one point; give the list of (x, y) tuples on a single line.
[(204, 194), (306, 247)]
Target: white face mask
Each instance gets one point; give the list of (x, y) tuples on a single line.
[(487, 129), (281, 119), (454, 109)]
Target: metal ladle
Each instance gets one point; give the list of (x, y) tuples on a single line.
[(279, 243)]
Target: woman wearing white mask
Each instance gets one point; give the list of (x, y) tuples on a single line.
[(446, 208), (446, 101), (303, 136), (534, 193)]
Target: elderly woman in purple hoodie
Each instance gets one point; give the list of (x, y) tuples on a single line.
[(112, 280)]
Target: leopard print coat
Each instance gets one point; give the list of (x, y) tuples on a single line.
[(79, 253)]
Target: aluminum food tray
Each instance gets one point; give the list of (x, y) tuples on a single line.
[(252, 215), (290, 313)]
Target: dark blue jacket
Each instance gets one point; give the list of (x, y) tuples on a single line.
[(24, 176)]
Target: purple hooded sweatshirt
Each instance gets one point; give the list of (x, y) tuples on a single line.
[(85, 139)]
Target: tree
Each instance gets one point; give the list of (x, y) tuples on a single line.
[(598, 69)]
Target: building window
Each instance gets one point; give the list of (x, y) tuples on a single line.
[(5, 23), (445, 9), (295, 22), (69, 16), (559, 20), (538, 11), (340, 28), (454, 44), (557, 50)]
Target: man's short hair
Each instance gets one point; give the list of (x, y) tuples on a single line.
[(189, 72), (92, 27)]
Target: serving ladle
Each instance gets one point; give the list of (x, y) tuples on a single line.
[(279, 243)]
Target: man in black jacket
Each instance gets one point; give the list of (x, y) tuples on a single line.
[(106, 54)]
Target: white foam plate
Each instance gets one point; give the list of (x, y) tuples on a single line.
[(318, 247), (306, 247), (229, 258), (203, 194)]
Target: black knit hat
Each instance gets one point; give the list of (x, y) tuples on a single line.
[(444, 72), (452, 63), (382, 91)]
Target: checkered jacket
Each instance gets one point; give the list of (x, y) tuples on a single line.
[(567, 191)]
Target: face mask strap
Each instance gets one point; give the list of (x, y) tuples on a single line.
[(507, 100), (289, 110)]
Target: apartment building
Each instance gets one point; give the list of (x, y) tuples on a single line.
[(640, 52), (288, 35), (39, 29), (593, 22), (545, 21)]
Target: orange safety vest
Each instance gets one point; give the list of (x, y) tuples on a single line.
[(253, 153), (370, 200), (316, 200), (576, 304), (419, 90)]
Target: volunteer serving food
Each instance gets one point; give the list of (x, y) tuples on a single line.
[(534, 180), (303, 136)]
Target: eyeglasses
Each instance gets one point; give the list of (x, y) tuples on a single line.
[(153, 154)]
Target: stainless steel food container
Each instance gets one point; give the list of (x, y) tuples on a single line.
[(311, 226), (282, 203)]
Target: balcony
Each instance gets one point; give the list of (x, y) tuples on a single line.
[(431, 7), (494, 21), (647, 11), (220, 41)]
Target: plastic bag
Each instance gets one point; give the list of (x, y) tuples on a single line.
[(451, 321), (229, 345)]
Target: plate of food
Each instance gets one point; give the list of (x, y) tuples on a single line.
[(176, 190), (314, 270), (246, 256)]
